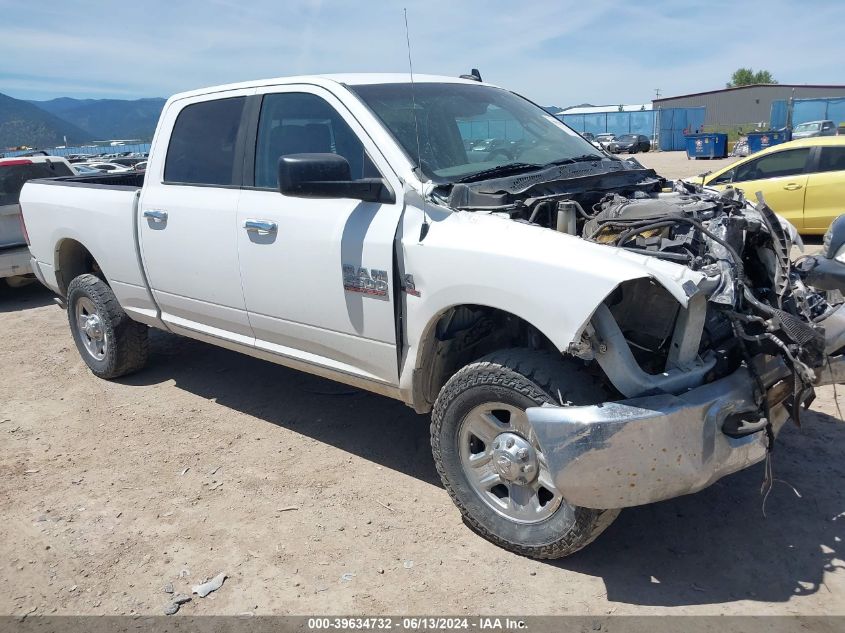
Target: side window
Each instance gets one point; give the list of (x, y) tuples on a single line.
[(785, 163), (724, 178), (202, 144), (832, 159), (302, 123)]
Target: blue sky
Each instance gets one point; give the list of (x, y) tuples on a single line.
[(556, 53)]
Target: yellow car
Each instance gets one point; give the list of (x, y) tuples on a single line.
[(804, 180)]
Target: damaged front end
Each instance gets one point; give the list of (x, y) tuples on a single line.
[(705, 388)]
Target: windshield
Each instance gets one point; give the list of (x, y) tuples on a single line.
[(626, 138), (466, 129), (806, 127)]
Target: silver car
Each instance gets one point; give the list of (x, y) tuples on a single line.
[(814, 128)]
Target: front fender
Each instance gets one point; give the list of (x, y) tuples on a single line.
[(550, 279)]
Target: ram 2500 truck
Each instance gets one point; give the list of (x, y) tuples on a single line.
[(587, 335)]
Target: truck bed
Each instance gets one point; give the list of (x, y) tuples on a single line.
[(98, 211), (129, 180)]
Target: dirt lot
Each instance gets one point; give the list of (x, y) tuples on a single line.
[(210, 461), (676, 164)]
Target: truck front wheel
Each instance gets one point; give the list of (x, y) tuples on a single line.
[(491, 463), (110, 343)]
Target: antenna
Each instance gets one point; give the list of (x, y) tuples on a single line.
[(424, 228), (413, 100)]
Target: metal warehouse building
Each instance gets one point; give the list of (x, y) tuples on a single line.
[(745, 105)]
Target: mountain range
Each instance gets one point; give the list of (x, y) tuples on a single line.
[(67, 121), (46, 124)]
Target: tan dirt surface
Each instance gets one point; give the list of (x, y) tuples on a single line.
[(209, 461)]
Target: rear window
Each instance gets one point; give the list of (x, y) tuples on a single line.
[(832, 159), (13, 177), (202, 144)]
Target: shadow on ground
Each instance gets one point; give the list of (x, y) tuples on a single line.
[(712, 547), (379, 429), (33, 295)]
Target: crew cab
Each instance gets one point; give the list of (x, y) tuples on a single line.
[(586, 335)]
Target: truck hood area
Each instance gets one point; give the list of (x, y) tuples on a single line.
[(712, 337), (705, 279)]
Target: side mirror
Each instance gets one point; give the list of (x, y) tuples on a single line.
[(327, 176), (834, 238)]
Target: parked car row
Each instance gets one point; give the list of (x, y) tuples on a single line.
[(619, 144)]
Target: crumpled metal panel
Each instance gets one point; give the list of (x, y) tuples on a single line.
[(638, 451)]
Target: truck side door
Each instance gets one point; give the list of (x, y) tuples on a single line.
[(187, 216), (317, 274)]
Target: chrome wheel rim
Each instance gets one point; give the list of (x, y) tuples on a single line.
[(90, 326), (503, 463)]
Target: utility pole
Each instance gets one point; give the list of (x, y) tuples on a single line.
[(656, 123)]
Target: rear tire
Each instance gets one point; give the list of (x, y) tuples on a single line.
[(110, 343), (497, 389)]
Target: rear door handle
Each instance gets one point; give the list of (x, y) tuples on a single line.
[(792, 186), (155, 215), (260, 226)]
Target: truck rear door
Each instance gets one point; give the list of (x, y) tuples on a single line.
[(317, 274), (187, 216)]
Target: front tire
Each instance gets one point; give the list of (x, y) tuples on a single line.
[(491, 463), (110, 343)]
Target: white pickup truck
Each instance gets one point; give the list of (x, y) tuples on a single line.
[(587, 335)]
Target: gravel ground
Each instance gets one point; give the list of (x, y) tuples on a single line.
[(676, 164), (316, 498)]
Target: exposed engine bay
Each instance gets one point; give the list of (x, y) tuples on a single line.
[(753, 301)]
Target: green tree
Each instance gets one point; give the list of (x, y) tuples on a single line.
[(747, 76)]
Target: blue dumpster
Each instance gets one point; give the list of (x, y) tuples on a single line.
[(762, 140), (707, 145)]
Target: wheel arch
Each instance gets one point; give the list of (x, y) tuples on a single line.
[(72, 258), (461, 334)]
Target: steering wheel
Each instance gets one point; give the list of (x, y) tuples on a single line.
[(501, 151)]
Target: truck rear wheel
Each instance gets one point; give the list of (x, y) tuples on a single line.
[(110, 343), (491, 463)]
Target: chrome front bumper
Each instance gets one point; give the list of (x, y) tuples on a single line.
[(637, 451)]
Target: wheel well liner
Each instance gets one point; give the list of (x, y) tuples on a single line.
[(462, 334), (72, 260)]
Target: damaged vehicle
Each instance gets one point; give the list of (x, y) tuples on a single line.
[(586, 335)]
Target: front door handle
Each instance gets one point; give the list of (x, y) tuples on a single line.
[(793, 186), (156, 216), (260, 226)]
